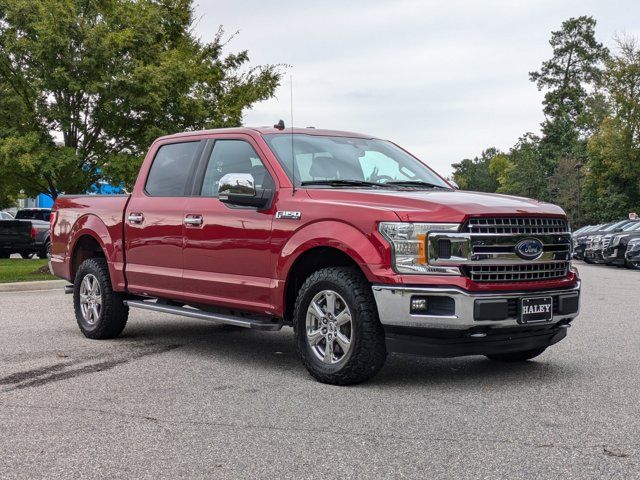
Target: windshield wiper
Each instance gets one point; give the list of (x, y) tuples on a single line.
[(415, 183), (344, 183)]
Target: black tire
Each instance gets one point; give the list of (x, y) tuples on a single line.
[(4, 255), (632, 265), (45, 253), (113, 313), (26, 255), (589, 261), (521, 356), (368, 352)]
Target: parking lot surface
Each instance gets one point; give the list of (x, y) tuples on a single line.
[(175, 397)]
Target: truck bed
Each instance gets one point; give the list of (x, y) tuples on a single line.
[(15, 236), (100, 217)]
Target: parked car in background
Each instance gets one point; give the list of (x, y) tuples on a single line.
[(614, 253), (16, 237), (632, 252), (38, 219), (580, 239), (596, 241)]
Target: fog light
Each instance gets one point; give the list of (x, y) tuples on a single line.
[(419, 305)]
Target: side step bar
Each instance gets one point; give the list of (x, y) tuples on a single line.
[(202, 315)]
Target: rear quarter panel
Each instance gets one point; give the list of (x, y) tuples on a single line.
[(100, 217)]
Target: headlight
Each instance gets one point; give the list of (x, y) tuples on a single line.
[(634, 242), (596, 241), (409, 246)]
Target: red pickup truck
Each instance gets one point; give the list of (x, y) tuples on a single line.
[(349, 239)]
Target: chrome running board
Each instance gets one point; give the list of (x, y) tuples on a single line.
[(202, 315)]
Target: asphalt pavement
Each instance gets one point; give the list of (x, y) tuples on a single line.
[(180, 398)]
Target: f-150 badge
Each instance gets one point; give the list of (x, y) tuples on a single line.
[(288, 215)]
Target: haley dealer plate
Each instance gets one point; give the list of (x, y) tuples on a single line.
[(536, 309)]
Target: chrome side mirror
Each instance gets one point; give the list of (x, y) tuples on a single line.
[(241, 184), (240, 189)]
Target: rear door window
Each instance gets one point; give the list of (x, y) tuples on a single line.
[(171, 169)]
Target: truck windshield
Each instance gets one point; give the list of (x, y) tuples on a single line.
[(347, 162)]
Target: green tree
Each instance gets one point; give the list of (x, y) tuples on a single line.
[(565, 188), (574, 68), (612, 186), (575, 64), (526, 171), (475, 174), (89, 84)]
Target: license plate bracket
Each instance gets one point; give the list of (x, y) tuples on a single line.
[(536, 309)]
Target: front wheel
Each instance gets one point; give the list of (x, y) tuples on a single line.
[(633, 265), (100, 312), (521, 356), (338, 334)]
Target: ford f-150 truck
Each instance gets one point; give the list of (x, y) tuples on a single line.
[(349, 239)]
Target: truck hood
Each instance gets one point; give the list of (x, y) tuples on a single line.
[(436, 205)]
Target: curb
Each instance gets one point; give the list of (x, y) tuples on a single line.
[(33, 286)]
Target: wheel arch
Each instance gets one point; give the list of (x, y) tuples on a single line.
[(91, 238)]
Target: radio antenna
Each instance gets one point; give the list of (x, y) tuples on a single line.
[(293, 157)]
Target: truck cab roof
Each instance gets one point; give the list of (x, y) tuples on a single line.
[(267, 131)]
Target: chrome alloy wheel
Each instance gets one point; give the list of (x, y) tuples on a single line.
[(329, 327), (90, 299)]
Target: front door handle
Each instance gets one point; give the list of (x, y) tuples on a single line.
[(135, 218), (193, 220)]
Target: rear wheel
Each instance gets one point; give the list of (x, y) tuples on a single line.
[(338, 333), (26, 255), (46, 250), (521, 356), (100, 312)]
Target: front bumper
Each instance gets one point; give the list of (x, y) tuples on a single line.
[(394, 306), (593, 255), (632, 254), (613, 255), (578, 251), (462, 328)]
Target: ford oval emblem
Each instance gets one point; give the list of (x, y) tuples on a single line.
[(529, 249)]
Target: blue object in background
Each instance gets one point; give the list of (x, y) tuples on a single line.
[(44, 201)]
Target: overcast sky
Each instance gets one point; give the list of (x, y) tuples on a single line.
[(444, 79)]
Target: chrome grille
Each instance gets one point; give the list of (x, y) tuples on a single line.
[(516, 225), (518, 273)]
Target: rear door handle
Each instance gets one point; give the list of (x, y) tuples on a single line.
[(135, 218), (193, 220)]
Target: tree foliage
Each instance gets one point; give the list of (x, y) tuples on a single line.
[(612, 187), (88, 84), (588, 157), (574, 65), (475, 174)]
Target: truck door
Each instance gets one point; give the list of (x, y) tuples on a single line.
[(154, 222), (227, 259)]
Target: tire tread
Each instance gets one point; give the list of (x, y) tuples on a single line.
[(370, 352), (114, 313)]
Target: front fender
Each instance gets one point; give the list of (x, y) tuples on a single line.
[(368, 251)]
